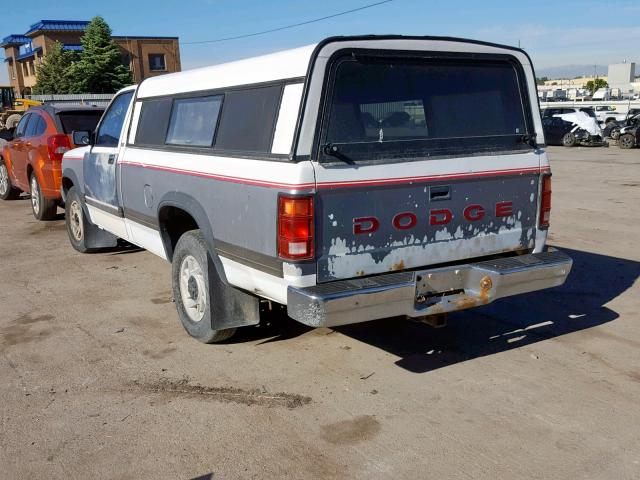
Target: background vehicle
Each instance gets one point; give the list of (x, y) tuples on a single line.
[(584, 127), (613, 129), (559, 132), (551, 111), (607, 114), (632, 113), (629, 135), (603, 94), (32, 160), (12, 109)]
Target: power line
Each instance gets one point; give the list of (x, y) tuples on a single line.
[(289, 26)]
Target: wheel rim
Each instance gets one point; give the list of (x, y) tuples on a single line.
[(568, 140), (35, 195), (193, 289), (75, 220), (626, 141), (4, 179)]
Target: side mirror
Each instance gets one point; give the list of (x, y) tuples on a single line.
[(82, 137)]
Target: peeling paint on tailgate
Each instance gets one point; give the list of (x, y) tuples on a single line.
[(372, 230)]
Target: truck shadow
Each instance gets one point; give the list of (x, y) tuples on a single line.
[(509, 323)]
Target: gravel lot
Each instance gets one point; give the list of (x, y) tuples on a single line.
[(98, 379)]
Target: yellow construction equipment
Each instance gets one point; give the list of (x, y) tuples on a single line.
[(12, 109)]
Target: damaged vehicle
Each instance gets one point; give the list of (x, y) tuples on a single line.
[(613, 129), (346, 181), (629, 136), (570, 127)]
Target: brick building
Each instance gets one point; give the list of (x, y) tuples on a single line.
[(145, 56)]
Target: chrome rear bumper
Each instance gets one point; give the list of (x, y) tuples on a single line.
[(427, 292)]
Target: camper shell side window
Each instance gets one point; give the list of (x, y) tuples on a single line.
[(231, 122), (390, 106)]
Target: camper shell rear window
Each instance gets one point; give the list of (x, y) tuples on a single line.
[(387, 106)]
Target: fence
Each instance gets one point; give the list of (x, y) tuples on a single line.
[(97, 99), (621, 106)]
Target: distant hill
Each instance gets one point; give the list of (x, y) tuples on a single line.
[(571, 71)]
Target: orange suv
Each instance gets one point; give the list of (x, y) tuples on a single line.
[(31, 162)]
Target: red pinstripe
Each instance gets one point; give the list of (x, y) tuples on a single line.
[(346, 184)]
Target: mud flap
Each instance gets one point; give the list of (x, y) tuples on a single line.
[(95, 237), (230, 307)]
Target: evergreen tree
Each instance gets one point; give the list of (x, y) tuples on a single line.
[(52, 76), (100, 68)]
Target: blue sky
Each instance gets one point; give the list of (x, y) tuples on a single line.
[(554, 33)]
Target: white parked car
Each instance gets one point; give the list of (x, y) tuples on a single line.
[(607, 114)]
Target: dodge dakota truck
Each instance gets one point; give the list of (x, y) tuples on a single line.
[(356, 179)]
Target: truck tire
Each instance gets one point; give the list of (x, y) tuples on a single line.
[(190, 279), (76, 221), (627, 141), (569, 140), (42, 208), (7, 191), (12, 121)]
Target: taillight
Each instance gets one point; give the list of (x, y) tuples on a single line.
[(58, 145), (295, 227), (545, 202)]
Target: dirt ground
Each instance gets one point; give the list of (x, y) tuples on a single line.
[(99, 380)]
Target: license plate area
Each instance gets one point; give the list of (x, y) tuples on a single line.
[(434, 286)]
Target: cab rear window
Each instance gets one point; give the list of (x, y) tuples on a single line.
[(406, 106), (79, 120)]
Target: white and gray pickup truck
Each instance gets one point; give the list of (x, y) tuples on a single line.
[(356, 179)]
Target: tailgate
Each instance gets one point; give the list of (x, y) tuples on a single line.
[(375, 226)]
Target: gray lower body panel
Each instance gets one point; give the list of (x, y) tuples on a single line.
[(427, 292)]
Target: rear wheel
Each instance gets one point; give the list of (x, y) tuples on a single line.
[(74, 218), (7, 191), (42, 208), (190, 278), (615, 133), (569, 140), (627, 141)]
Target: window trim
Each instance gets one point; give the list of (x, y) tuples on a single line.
[(27, 118), (210, 151), (273, 129), (140, 119), (35, 118), (124, 121), (215, 127), (329, 86), (41, 120), (164, 62)]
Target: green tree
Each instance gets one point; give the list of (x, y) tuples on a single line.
[(52, 76), (541, 80), (100, 68), (593, 85)]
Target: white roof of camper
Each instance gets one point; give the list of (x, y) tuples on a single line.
[(266, 68)]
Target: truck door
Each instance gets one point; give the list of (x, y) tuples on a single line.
[(100, 182)]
